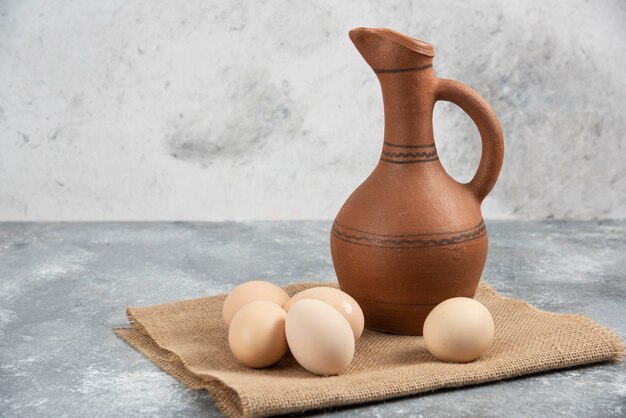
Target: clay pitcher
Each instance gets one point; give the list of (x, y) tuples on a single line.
[(411, 236)]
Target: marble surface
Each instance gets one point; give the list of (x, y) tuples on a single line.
[(65, 285), (246, 110)]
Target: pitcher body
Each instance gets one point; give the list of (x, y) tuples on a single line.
[(410, 236)]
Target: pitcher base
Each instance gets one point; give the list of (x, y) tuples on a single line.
[(394, 318)]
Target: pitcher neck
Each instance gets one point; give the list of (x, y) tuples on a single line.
[(404, 68), (408, 97)]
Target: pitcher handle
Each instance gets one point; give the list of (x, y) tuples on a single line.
[(490, 133)]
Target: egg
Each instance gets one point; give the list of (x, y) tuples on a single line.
[(339, 300), (251, 292), (319, 337), (458, 330), (256, 335)]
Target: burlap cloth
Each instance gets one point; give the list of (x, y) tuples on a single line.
[(189, 340)]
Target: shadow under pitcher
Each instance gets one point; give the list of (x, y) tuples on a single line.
[(410, 236)]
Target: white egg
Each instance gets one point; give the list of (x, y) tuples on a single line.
[(343, 302), (251, 292), (319, 337), (458, 330), (257, 334)]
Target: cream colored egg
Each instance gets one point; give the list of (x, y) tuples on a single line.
[(319, 337), (458, 330), (251, 292), (343, 302), (257, 334)]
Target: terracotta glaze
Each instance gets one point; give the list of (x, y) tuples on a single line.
[(410, 236)]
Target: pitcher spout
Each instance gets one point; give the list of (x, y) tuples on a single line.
[(386, 50)]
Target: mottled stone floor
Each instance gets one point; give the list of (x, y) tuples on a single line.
[(63, 286)]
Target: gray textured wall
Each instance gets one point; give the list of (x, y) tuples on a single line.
[(249, 110)]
